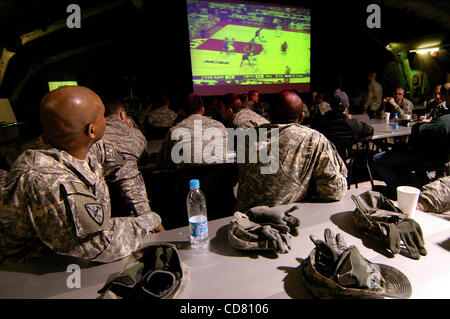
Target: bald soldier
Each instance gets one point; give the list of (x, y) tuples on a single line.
[(309, 164), (55, 198)]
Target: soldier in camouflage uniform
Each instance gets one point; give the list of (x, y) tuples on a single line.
[(196, 140), (309, 164), (55, 198), (121, 134), (3, 174), (252, 102), (239, 116), (399, 104), (373, 100), (162, 116), (435, 197)]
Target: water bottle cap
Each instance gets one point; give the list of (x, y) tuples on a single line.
[(194, 184)]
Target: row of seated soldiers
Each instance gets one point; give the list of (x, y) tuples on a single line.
[(159, 113), (55, 197)]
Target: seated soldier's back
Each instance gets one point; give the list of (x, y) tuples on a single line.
[(341, 131), (247, 118), (161, 117), (125, 139), (307, 163), (191, 135)]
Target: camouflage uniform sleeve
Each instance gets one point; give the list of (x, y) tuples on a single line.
[(3, 175), (404, 110), (374, 96), (408, 107), (59, 222), (435, 196), (378, 95), (125, 175), (371, 95), (330, 173)]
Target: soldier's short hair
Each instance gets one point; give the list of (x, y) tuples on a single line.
[(251, 93), (287, 110), (161, 100), (194, 104), (113, 106), (228, 100)]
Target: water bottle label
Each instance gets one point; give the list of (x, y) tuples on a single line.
[(199, 229)]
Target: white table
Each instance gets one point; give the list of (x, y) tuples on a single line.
[(382, 129), (224, 272)]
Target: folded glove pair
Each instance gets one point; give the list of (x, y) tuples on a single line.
[(157, 274), (379, 218), (264, 228)]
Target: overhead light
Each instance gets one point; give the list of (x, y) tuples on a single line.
[(431, 51)]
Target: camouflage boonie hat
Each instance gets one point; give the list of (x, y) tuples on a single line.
[(394, 283), (373, 208), (156, 272), (333, 270)]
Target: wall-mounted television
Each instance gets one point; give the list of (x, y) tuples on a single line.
[(236, 46), (56, 85)]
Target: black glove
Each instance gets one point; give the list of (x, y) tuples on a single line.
[(280, 241), (345, 265), (278, 217), (407, 231), (328, 251), (378, 217)]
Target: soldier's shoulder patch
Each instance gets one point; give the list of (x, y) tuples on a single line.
[(89, 216), (96, 212)]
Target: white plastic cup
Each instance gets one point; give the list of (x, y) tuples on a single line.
[(386, 116), (407, 198)]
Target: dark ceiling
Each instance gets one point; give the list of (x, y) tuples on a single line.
[(148, 39)]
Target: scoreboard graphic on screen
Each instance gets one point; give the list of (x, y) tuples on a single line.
[(240, 43)]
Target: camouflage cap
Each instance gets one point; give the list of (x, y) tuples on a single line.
[(164, 273), (355, 277), (156, 272), (372, 209)]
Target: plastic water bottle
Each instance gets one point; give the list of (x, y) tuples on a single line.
[(395, 123), (198, 220)]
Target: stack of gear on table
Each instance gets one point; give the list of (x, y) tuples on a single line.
[(156, 272), (378, 217), (333, 270), (264, 228)]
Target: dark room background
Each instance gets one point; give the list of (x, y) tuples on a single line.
[(141, 48)]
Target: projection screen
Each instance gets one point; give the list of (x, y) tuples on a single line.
[(236, 46)]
